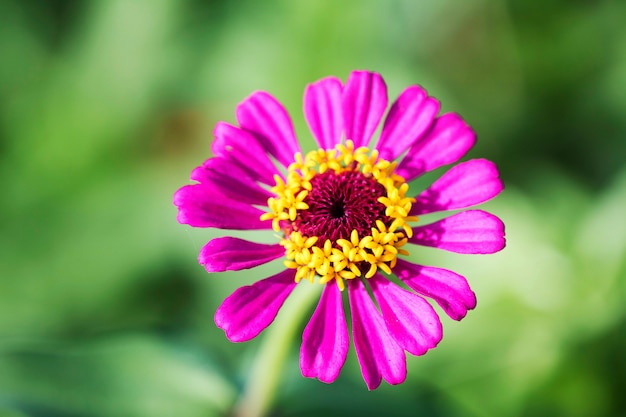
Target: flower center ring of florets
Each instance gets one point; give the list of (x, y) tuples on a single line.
[(343, 214)]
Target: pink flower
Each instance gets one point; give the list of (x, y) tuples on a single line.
[(344, 215)]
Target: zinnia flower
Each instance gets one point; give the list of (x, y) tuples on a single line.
[(345, 218)]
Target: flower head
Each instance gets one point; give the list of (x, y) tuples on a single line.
[(345, 218)]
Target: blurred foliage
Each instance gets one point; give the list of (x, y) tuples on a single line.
[(105, 107)]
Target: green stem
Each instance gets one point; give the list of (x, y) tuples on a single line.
[(264, 376)]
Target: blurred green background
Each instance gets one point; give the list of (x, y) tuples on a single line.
[(106, 106)]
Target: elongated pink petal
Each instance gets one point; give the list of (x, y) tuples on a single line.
[(243, 150), (250, 309), (408, 118), (449, 289), (233, 254), (471, 231), (464, 185), (219, 167), (323, 111), (228, 179), (325, 339), (410, 319), (379, 355), (264, 117), (201, 206), (364, 103), (448, 139)]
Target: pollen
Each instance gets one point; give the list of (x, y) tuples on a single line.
[(341, 214)]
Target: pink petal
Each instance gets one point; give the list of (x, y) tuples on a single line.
[(450, 290), (464, 185), (410, 319), (364, 103), (233, 254), (325, 338), (250, 309), (379, 355), (448, 139), (264, 117), (409, 117), (201, 206), (323, 112), (471, 231), (244, 151), (228, 179), (217, 167)]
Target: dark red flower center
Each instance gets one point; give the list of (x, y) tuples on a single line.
[(340, 203)]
